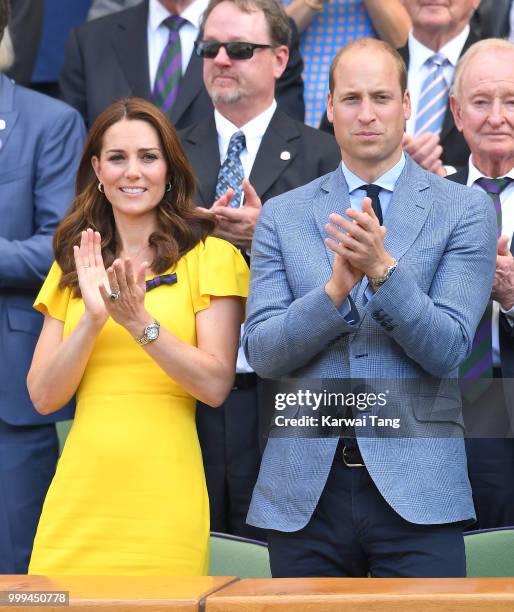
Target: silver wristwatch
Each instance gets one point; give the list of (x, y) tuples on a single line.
[(150, 333), (376, 283)]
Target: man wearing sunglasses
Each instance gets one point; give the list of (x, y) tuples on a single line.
[(129, 53), (245, 152)]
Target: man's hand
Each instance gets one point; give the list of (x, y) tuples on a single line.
[(426, 151), (237, 225), (503, 284), (344, 276), (360, 240)]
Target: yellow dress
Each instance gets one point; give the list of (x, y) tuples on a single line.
[(129, 494)]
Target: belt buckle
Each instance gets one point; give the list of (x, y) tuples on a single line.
[(347, 463)]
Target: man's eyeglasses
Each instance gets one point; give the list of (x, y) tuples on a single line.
[(235, 50)]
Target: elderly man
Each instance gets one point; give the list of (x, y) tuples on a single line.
[(440, 34), (483, 107), (147, 51), (245, 52), (40, 145), (337, 295)]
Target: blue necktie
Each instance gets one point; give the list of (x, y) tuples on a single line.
[(372, 192), (433, 98), (231, 173)]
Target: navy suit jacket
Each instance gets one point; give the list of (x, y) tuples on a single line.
[(107, 59), (40, 146)]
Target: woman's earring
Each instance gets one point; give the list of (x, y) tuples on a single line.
[(100, 187), (168, 186)]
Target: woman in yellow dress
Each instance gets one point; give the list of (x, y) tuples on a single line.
[(142, 312)]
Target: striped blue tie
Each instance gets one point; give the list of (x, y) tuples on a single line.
[(433, 98)]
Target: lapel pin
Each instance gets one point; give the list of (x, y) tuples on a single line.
[(285, 155), (2, 124)]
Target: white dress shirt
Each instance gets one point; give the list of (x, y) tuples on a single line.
[(254, 130), (419, 70), (158, 33), (507, 204)]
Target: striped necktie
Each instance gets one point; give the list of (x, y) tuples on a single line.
[(231, 173), (169, 70), (433, 98), (480, 362)]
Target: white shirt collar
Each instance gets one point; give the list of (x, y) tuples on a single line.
[(474, 173), (193, 13), (418, 53), (254, 130)]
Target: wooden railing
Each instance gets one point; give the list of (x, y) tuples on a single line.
[(229, 594)]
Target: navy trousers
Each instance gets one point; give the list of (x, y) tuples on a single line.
[(355, 533), (490, 453), (28, 457), (229, 438)]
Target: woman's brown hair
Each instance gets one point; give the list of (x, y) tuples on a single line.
[(181, 224)]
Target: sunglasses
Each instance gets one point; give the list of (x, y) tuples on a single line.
[(235, 50)]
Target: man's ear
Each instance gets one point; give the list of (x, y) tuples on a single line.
[(407, 105), (456, 109), (330, 108), (281, 59)]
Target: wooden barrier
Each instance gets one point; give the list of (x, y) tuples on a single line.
[(110, 593), (365, 595), (220, 594)]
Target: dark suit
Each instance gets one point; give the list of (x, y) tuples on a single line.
[(455, 148), (25, 25), (492, 18), (40, 145), (491, 460), (107, 59), (229, 435)]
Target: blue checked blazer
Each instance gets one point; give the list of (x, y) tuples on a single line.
[(420, 323), (40, 147)]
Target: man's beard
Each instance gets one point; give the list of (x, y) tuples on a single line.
[(226, 98)]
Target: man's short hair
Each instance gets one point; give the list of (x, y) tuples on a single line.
[(480, 46), (4, 16), (276, 18), (379, 45)]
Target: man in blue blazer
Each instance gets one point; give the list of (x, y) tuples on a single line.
[(337, 295), (40, 145)]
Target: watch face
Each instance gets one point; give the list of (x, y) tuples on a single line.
[(152, 332)]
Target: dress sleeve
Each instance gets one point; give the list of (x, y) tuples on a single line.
[(221, 271), (52, 299)]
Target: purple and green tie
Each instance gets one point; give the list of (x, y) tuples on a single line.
[(479, 364), (169, 70)]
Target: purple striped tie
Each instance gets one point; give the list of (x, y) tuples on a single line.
[(169, 71), (479, 364)]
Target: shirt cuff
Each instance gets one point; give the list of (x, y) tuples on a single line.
[(509, 315)]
